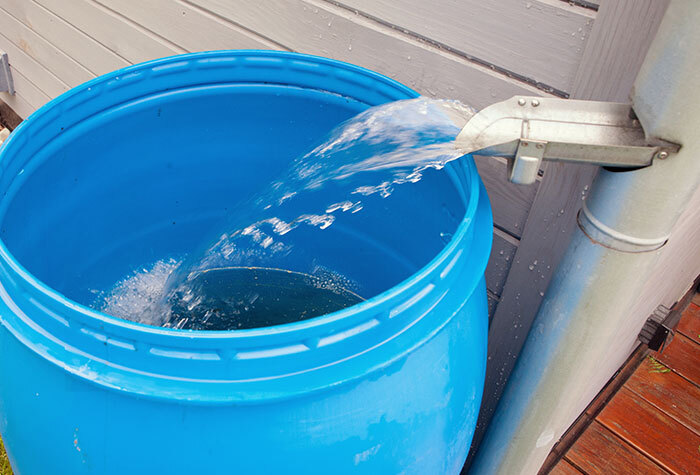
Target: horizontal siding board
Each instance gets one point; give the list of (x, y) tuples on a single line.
[(32, 94), (189, 27), (323, 29), (111, 30), (17, 103), (20, 61), (53, 59), (79, 46), (541, 40)]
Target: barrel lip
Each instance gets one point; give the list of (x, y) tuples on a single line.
[(376, 323)]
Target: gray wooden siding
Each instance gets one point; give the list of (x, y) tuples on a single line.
[(538, 41), (473, 50)]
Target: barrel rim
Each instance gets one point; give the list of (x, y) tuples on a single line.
[(305, 332)]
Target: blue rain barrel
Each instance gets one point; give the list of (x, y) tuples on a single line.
[(128, 169)]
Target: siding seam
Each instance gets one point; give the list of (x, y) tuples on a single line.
[(70, 25), (48, 41), (26, 78), (439, 45), (506, 236), (234, 25), (38, 64), (133, 24)]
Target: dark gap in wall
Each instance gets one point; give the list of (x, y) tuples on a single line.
[(8, 117), (583, 3)]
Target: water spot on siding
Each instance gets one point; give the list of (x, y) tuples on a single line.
[(545, 438)]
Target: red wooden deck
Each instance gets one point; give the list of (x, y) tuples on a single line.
[(652, 423)]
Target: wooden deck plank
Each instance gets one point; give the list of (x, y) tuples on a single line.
[(652, 432), (668, 391), (690, 323), (564, 468), (600, 451), (683, 356)]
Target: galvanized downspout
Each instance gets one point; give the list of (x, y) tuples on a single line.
[(626, 218)]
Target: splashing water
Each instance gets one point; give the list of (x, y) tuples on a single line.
[(364, 158)]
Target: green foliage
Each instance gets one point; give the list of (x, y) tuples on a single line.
[(657, 367), (5, 468)]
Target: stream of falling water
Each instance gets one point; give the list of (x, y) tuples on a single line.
[(239, 277)]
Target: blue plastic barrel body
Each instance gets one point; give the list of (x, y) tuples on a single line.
[(128, 169)]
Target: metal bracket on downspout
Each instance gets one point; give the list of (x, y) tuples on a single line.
[(528, 130), (6, 83)]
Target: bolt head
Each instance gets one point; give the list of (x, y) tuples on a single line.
[(521, 102), (535, 103), (662, 155)]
